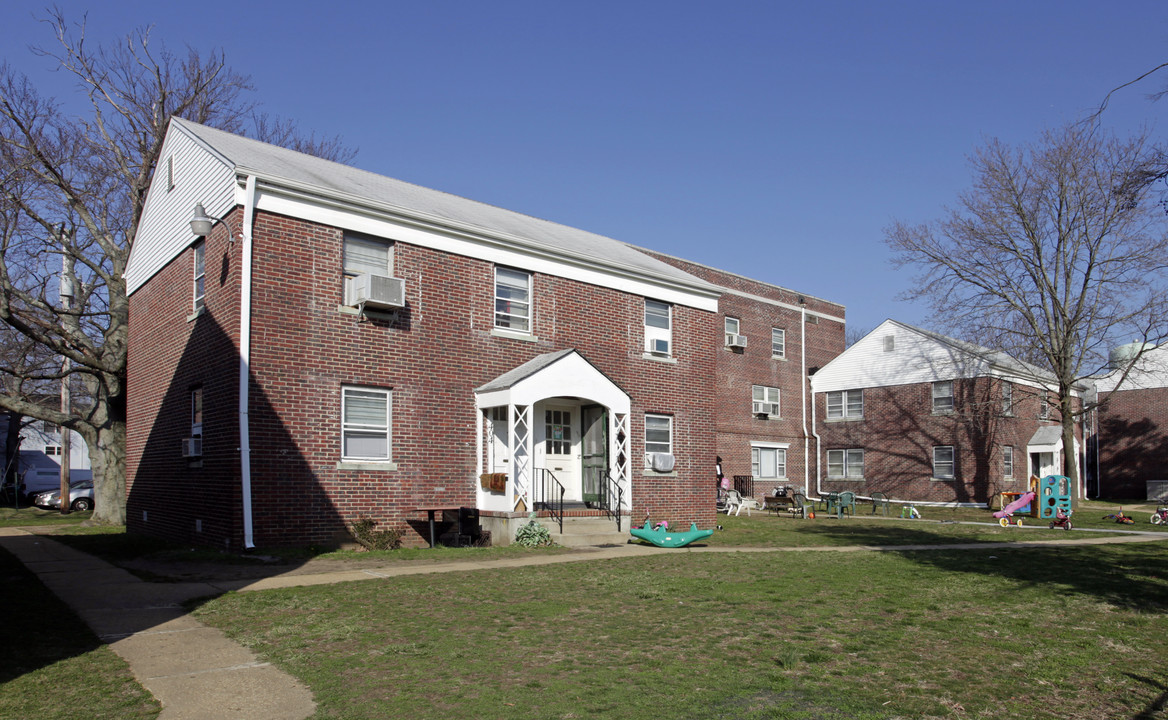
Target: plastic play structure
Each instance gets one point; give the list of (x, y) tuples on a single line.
[(1020, 504), (661, 536), (1048, 498)]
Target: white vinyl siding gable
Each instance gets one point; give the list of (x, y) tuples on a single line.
[(201, 177)]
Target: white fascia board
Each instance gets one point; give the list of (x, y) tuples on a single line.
[(439, 234), (785, 306)]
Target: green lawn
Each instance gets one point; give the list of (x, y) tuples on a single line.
[(51, 664), (1064, 632), (30, 516), (1054, 632)]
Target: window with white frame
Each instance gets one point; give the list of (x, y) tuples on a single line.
[(778, 343), (512, 300), (944, 461), (732, 326), (658, 327), (768, 461), (364, 255), (764, 400), (52, 449), (943, 396), (365, 423), (845, 404), (199, 275), (1008, 462), (658, 434), (1007, 398), (845, 464), (197, 412), (1044, 405)]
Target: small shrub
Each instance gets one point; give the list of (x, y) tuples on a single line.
[(532, 534), (372, 539)]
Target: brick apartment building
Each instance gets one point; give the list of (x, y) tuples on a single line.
[(1130, 439), (769, 340), (926, 418), (334, 344)]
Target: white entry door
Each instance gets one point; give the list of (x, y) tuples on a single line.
[(561, 447)]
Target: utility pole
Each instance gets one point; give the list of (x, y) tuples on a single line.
[(66, 366)]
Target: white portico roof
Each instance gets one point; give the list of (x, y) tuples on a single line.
[(564, 373)]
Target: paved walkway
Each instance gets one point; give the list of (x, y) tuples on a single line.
[(196, 672)]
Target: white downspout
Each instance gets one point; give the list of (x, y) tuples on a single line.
[(245, 360), (804, 382)]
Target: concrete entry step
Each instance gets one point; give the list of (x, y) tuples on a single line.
[(588, 531)]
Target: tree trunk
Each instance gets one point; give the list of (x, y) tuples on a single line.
[(12, 449), (108, 457), (1070, 456)]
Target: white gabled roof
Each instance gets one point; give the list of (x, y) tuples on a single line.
[(919, 356), (295, 177)]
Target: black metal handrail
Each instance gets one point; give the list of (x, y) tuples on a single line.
[(610, 488), (549, 495)]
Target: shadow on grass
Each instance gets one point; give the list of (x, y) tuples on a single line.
[(1133, 577), (39, 629)]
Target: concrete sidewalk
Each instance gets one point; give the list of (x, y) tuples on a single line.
[(197, 673), (194, 671)]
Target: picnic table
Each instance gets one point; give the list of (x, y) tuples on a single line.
[(778, 503)]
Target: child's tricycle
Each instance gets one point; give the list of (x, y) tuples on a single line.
[(1160, 517), (1062, 519)]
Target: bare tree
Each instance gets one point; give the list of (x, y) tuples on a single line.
[(1056, 254), (72, 188)]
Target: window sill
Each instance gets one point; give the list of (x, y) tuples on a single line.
[(943, 412), (368, 312), (355, 465), (942, 479), (843, 420), (667, 359), (649, 472), (846, 479), (513, 335), (196, 313), (779, 357)]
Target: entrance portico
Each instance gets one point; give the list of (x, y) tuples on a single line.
[(554, 423)]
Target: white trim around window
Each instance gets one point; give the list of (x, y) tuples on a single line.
[(1008, 462), (513, 300), (845, 405), (198, 281), (366, 414), (765, 400), (658, 433), (658, 328), (944, 462), (846, 464), (943, 396), (768, 460), (778, 343)]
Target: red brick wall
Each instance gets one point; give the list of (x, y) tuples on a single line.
[(1133, 442), (739, 369), (432, 355), (899, 431), (169, 354)]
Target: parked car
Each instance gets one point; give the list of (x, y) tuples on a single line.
[(80, 497)]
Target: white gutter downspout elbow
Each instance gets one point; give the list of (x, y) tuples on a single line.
[(245, 360)]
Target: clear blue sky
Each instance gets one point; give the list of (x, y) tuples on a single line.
[(772, 139)]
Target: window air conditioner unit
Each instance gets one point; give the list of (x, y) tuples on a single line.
[(657, 346), (376, 291), (192, 447), (733, 340), (661, 462), (765, 408)]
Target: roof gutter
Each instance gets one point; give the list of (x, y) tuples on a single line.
[(245, 359)]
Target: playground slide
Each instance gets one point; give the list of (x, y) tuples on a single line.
[(1022, 501)]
